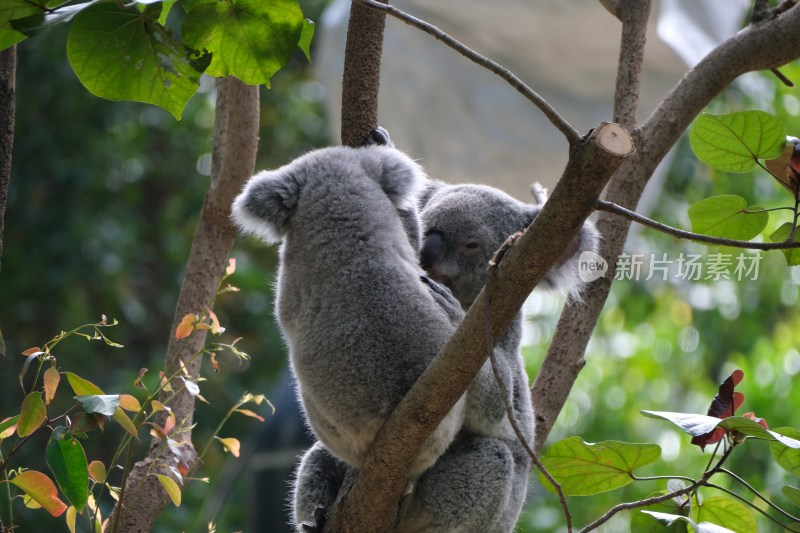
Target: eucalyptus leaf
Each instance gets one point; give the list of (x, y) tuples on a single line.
[(586, 468), (67, 461), (104, 404), (32, 414), (734, 142), (792, 493), (123, 53), (727, 216)]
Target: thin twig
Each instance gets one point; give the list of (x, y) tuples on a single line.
[(750, 504), (572, 135), (758, 494), (610, 207), (509, 410)]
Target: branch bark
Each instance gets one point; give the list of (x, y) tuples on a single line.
[(8, 72), (371, 504), (233, 162), (776, 44), (362, 69)]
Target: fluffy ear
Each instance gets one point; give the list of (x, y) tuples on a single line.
[(267, 202), (398, 175)]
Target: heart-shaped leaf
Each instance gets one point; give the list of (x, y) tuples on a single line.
[(782, 234), (727, 216), (734, 142), (583, 468), (728, 513)]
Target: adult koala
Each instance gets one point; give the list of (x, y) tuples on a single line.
[(362, 322), (463, 225)]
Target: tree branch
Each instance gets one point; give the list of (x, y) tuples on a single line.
[(777, 44), (564, 359), (233, 161), (8, 72), (610, 207), (549, 111), (372, 503), (362, 68)]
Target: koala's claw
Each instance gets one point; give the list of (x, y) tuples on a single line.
[(320, 517), (379, 137)]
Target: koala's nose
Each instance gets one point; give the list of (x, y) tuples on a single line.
[(432, 248)]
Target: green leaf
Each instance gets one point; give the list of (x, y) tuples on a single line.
[(172, 489), (734, 142), (585, 468), (104, 404), (788, 458), (725, 216), (9, 38), (728, 513), (125, 54), (67, 461), (7, 424), (42, 489), (248, 39), (80, 386), (694, 425), (305, 38), (782, 234), (124, 420), (792, 493), (32, 415), (751, 428), (17, 9)]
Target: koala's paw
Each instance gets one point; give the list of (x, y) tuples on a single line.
[(379, 137), (445, 299), (320, 517)]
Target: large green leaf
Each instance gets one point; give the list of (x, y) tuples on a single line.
[(9, 37), (17, 9), (125, 54), (67, 461), (734, 142), (80, 386), (248, 39), (728, 513), (725, 216), (584, 468), (782, 234), (787, 457)]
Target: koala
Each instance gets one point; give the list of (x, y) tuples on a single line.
[(463, 225), (362, 321)]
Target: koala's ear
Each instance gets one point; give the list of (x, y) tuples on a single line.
[(398, 175), (428, 190), (267, 202)]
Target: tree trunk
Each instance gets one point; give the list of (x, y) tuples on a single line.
[(233, 161), (8, 71)]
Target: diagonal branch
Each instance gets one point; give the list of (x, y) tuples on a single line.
[(610, 207)]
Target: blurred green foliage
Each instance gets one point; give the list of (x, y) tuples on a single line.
[(666, 345), (102, 208)]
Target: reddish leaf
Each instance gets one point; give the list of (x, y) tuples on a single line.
[(51, 379), (32, 415), (786, 167), (213, 361), (752, 416), (724, 404), (30, 351), (232, 445), (186, 326), (42, 489), (231, 267)]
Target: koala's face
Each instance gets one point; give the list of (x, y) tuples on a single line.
[(462, 228)]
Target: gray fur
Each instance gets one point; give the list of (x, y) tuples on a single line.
[(463, 226), (360, 323)]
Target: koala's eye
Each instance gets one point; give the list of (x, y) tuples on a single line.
[(470, 247)]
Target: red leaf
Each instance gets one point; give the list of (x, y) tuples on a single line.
[(186, 326), (724, 404)]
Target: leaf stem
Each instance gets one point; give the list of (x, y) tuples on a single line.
[(750, 504), (758, 494)]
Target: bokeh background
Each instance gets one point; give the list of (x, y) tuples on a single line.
[(103, 204)]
